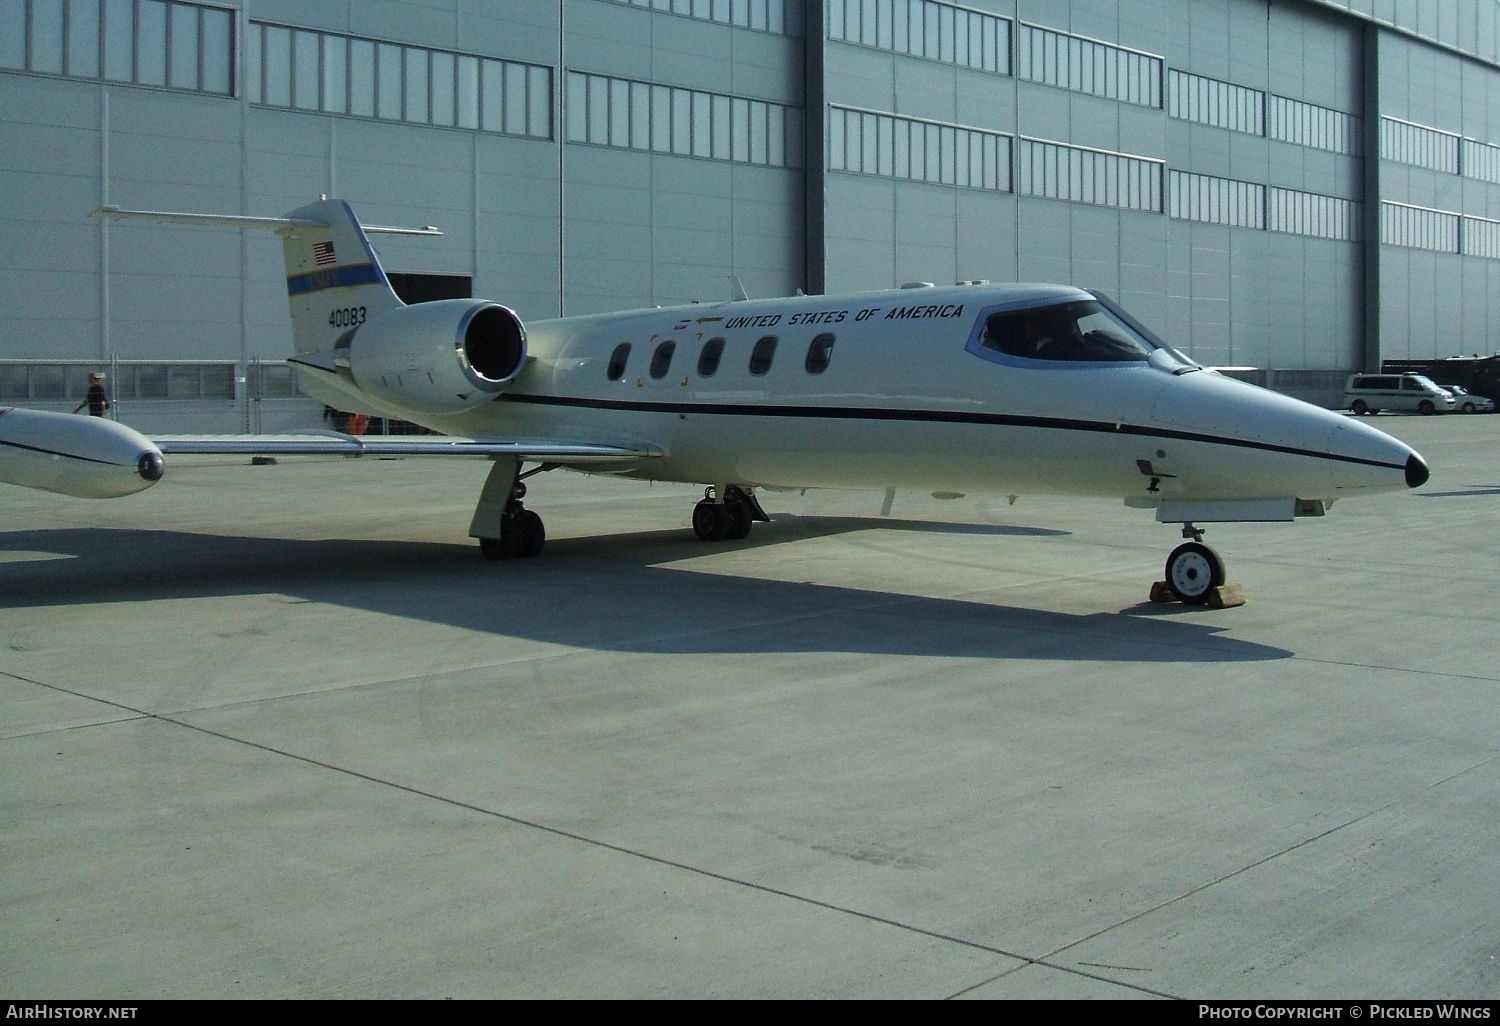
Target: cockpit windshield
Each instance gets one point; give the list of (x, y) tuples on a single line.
[(1084, 330)]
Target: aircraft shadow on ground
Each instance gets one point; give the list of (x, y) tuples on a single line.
[(790, 525), (603, 593), (1463, 493)]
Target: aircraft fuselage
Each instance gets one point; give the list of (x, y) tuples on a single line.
[(896, 389)]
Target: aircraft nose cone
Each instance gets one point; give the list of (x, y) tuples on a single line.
[(1416, 471), (150, 466)]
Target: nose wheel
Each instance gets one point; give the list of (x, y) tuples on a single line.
[(1195, 576), (1193, 571)]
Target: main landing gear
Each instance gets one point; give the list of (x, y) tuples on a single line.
[(1195, 576), (506, 529), (726, 511)]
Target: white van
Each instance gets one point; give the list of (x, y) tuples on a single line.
[(1371, 393)]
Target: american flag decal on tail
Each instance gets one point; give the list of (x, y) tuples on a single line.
[(323, 253)]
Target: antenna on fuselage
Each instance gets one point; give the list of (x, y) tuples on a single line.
[(737, 290)]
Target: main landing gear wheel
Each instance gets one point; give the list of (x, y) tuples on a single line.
[(730, 519), (1193, 571), (739, 519), (711, 520), (522, 533), (531, 535)]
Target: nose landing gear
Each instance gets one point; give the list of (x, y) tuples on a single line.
[(1196, 576)]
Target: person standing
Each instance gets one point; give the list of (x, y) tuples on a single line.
[(97, 399)]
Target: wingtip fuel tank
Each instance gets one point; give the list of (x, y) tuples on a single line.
[(90, 457)]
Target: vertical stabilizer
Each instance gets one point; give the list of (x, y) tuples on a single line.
[(334, 280)]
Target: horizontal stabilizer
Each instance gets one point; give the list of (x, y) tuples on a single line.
[(280, 225)]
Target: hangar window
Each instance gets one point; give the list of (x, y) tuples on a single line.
[(617, 361), (1209, 101), (67, 380), (867, 143), (820, 353), (661, 360), (1402, 224), (1195, 197), (1307, 124), (608, 111), (1083, 65), (925, 28), (306, 69), (708, 360), (762, 355), (1056, 171), (162, 43), (1307, 213), (779, 16)]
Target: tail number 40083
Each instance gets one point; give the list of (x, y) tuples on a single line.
[(347, 317)]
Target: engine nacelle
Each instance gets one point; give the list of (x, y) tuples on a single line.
[(441, 357)]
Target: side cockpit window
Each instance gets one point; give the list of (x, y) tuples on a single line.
[(1082, 331)]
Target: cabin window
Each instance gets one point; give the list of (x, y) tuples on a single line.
[(661, 360), (708, 360), (1075, 332), (762, 355), (820, 353), (617, 361)]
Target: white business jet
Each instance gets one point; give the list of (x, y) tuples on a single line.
[(1005, 389)]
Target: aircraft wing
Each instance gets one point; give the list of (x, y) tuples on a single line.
[(565, 453)]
